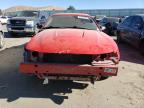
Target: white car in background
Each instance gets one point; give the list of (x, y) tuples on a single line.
[(1, 36), (4, 19)]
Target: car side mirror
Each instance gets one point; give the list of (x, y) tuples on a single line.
[(39, 26)]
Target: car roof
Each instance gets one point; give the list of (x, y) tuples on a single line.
[(71, 14), (141, 15)]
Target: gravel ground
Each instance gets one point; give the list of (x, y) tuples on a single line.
[(123, 91)]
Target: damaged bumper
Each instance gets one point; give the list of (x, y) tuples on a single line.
[(68, 71)]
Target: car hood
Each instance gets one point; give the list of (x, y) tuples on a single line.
[(22, 18), (72, 41)]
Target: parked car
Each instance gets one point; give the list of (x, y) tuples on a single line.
[(1, 36), (71, 47), (123, 18), (131, 30), (4, 19), (110, 24), (25, 22), (98, 18)]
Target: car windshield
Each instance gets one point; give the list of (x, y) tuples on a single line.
[(27, 14), (79, 22)]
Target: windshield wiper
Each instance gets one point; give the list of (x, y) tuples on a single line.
[(79, 27), (50, 27)]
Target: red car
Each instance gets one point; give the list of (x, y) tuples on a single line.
[(71, 47)]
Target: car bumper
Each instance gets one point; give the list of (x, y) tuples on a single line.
[(68, 69), (21, 29)]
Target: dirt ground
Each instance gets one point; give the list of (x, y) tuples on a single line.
[(18, 90)]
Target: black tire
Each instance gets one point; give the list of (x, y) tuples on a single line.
[(104, 77), (1, 40), (142, 48)]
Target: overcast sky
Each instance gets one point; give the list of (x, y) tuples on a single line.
[(78, 4)]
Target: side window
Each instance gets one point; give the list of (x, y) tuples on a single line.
[(137, 22), (127, 21)]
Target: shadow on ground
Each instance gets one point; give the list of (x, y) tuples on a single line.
[(130, 54), (14, 85)]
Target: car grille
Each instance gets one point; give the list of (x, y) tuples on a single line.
[(18, 22), (67, 58), (17, 28)]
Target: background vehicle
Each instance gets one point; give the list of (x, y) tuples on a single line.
[(110, 24), (71, 47), (1, 36), (98, 18), (4, 19), (25, 22), (131, 30)]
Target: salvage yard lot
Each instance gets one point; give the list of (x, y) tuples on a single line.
[(123, 91)]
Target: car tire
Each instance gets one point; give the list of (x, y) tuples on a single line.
[(104, 77), (1, 40), (142, 48)]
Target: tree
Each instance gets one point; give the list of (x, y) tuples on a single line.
[(71, 8), (0, 12)]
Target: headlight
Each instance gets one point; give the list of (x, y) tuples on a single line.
[(8, 22), (30, 23)]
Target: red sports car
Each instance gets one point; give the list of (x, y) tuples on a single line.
[(71, 47)]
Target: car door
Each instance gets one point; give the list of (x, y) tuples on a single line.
[(135, 30), (123, 28)]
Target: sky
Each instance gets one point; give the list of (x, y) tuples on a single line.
[(78, 4)]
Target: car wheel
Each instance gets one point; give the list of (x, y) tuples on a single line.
[(1, 40), (104, 77), (142, 48)]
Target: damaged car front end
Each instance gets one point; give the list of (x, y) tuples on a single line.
[(71, 53)]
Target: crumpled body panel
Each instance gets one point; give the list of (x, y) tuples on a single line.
[(72, 41)]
